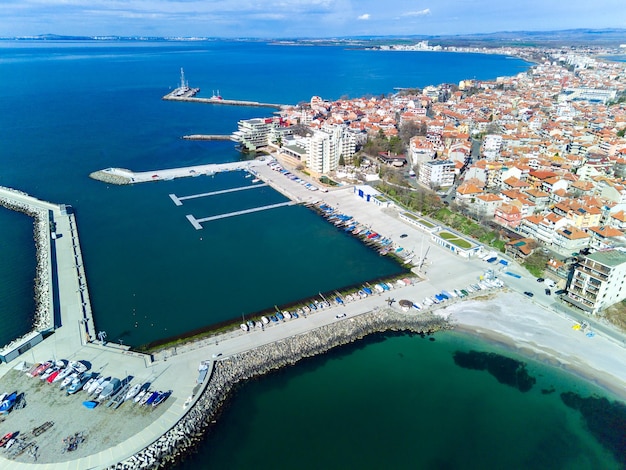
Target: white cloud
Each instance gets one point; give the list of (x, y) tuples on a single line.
[(424, 12), (364, 16)]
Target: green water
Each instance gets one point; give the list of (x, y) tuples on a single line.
[(401, 402)]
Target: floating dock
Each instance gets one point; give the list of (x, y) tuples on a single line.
[(179, 200), (197, 222)]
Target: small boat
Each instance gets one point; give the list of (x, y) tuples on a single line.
[(111, 389), (68, 380), (280, 316), (101, 387), (244, 327), (141, 391), (53, 376), (295, 315), (161, 398), (8, 403), (33, 368), (41, 369), (63, 373), (6, 438), (265, 320), (78, 383), (88, 384), (287, 315), (140, 395), (146, 397), (132, 392), (90, 404), (151, 398), (91, 390)]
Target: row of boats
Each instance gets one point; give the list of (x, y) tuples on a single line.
[(75, 376), (444, 295), (347, 223), (325, 303)]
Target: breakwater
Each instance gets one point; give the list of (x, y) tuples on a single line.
[(206, 137), (43, 272), (195, 99), (228, 373)]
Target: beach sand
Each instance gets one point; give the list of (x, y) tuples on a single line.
[(533, 331)]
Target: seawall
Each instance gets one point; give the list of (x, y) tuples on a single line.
[(228, 373)]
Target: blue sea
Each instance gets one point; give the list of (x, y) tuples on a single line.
[(70, 108)]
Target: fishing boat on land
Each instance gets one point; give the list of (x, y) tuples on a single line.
[(98, 390), (6, 438), (41, 369), (91, 404), (92, 388), (244, 327), (111, 389), (161, 398), (8, 403), (151, 398)]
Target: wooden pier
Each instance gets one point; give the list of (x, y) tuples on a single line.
[(179, 200), (197, 223)]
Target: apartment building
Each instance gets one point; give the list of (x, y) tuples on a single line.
[(598, 281)]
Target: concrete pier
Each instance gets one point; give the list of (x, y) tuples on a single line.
[(206, 137), (124, 176), (197, 222), (178, 200), (66, 300)]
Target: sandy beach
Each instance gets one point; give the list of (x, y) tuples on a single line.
[(534, 331)]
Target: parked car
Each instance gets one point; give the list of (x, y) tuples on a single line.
[(540, 279), (529, 294), (548, 292)]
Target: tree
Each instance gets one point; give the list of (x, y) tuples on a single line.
[(342, 161)]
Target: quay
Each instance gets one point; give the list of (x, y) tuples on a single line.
[(178, 200), (123, 176), (195, 99), (206, 137), (197, 222), (62, 295)]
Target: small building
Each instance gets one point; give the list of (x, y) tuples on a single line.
[(520, 249), (455, 242), (20, 346), (369, 194)]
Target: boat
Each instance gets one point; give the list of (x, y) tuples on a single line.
[(90, 404), (68, 380), (89, 383), (161, 398), (244, 327), (96, 384), (111, 389), (8, 403), (151, 398), (33, 368), (265, 320), (280, 316), (41, 369), (287, 315), (6, 438), (140, 395), (63, 373), (145, 397), (295, 315), (83, 380), (101, 387), (53, 376)]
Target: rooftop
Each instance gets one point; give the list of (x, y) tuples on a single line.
[(610, 258)]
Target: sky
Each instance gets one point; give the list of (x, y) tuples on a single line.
[(301, 18)]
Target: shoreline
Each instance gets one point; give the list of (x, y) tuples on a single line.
[(592, 360)]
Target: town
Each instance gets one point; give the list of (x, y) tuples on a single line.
[(539, 158)]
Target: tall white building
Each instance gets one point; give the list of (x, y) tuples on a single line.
[(327, 145), (437, 173), (253, 134), (598, 281)]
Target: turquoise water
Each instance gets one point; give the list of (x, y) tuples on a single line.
[(401, 402)]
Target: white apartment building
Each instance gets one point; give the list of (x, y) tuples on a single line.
[(325, 147), (598, 281), (437, 173), (492, 145), (252, 134)]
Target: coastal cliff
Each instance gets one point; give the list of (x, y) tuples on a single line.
[(228, 373)]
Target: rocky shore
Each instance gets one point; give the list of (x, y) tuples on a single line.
[(188, 432), (110, 178), (41, 235)]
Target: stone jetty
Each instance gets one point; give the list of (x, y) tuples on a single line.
[(188, 432), (41, 235)]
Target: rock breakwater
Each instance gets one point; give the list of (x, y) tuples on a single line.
[(181, 439), (110, 178), (41, 235)]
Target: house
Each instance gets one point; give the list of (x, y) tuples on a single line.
[(571, 239), (605, 237), (508, 215), (520, 249)]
